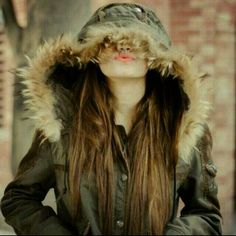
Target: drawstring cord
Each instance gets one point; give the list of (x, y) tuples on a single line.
[(66, 183), (66, 171)]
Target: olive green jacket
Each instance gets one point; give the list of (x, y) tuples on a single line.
[(48, 82), (40, 170)]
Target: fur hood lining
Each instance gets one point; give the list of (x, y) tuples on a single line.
[(41, 101)]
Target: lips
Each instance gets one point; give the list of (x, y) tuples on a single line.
[(125, 57)]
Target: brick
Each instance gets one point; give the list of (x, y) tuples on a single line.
[(180, 21), (153, 3), (207, 49), (179, 4), (220, 139), (209, 12), (200, 4), (207, 68), (195, 40), (219, 114), (224, 17), (185, 12)]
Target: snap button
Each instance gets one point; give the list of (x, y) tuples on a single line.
[(120, 223), (124, 177), (211, 169), (138, 9), (213, 187), (142, 15)]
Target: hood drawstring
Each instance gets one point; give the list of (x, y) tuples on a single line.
[(66, 174), (66, 180)]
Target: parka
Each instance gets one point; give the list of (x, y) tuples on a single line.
[(48, 100)]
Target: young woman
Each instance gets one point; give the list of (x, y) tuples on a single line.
[(121, 135)]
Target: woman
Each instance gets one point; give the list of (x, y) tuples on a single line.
[(121, 135)]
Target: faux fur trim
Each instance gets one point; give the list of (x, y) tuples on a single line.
[(41, 101)]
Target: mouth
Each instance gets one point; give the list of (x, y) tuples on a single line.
[(124, 57)]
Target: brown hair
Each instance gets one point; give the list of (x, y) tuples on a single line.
[(95, 145)]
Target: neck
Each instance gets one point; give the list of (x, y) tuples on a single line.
[(127, 92)]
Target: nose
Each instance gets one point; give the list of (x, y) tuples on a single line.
[(124, 48)]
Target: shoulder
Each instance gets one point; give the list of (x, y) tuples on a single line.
[(200, 156)]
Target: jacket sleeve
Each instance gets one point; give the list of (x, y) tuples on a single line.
[(21, 204), (201, 212)]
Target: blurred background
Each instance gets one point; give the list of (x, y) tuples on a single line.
[(205, 29)]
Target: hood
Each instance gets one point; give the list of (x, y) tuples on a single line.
[(44, 97)]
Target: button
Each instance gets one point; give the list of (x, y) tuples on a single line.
[(211, 169), (124, 177), (138, 9), (120, 223), (213, 187)]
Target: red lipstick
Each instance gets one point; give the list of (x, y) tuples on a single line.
[(125, 57)]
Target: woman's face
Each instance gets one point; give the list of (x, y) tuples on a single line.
[(122, 61)]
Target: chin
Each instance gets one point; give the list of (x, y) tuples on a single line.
[(123, 71), (122, 74)]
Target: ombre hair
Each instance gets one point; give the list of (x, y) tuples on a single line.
[(151, 156)]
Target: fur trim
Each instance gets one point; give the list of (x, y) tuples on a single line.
[(41, 101)]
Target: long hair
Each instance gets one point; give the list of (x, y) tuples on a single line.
[(150, 157)]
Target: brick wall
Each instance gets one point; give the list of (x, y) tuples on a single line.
[(224, 101), (6, 97), (206, 29)]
